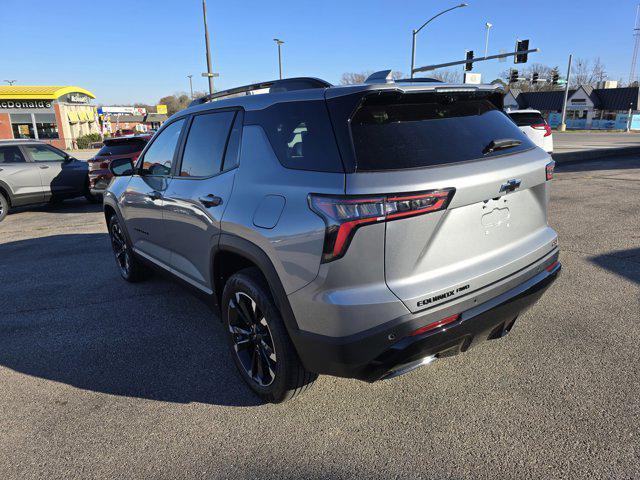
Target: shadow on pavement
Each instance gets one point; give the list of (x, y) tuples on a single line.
[(625, 263), (68, 317), (612, 163)]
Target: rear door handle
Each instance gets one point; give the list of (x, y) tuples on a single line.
[(44, 166), (210, 200)]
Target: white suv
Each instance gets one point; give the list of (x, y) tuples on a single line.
[(534, 126)]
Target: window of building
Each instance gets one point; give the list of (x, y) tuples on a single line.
[(22, 125), (205, 144), (46, 125)]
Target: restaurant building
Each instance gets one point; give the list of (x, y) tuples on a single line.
[(54, 114)]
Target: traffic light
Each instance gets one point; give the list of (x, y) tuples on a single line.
[(513, 77), (521, 46), (469, 65), (554, 78), (534, 78)]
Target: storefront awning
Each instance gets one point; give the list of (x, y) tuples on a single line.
[(73, 117), (82, 116), (27, 92)]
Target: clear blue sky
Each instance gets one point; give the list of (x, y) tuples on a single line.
[(139, 50)]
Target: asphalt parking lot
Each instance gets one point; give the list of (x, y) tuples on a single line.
[(101, 379)]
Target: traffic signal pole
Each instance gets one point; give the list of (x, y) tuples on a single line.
[(563, 124), (473, 60)]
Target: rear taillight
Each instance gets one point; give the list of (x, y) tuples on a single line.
[(434, 325), (543, 126), (549, 170), (343, 215)]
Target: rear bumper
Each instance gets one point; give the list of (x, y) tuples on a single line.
[(390, 350)]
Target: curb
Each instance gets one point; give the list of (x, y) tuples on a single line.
[(593, 154)]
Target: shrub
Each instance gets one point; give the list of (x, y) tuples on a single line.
[(85, 141)]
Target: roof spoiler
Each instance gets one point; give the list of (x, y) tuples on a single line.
[(274, 86)]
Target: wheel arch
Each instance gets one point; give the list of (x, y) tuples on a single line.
[(246, 254), (6, 192)]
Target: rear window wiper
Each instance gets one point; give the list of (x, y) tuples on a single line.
[(501, 144)]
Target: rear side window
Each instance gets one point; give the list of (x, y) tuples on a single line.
[(301, 135), (11, 155), (122, 148), (425, 130), (206, 144), (526, 119)]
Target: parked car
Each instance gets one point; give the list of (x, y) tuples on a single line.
[(534, 126), (113, 148), (32, 172), (360, 231)]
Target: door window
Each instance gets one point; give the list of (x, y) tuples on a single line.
[(11, 155), (206, 144), (158, 159), (44, 153)]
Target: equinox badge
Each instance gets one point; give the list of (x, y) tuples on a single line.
[(511, 185)]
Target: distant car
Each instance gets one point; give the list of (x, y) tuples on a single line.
[(113, 148), (125, 132), (534, 126), (33, 172)]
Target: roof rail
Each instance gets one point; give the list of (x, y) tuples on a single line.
[(383, 76), (274, 86)]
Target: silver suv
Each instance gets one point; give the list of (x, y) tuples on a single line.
[(359, 231)]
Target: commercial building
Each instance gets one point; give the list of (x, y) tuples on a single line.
[(53, 114), (128, 119), (603, 108)]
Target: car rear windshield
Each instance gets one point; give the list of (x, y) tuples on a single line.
[(429, 129), (526, 119), (122, 148)]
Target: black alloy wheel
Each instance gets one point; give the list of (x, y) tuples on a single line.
[(252, 340)]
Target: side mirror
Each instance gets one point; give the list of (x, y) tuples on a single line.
[(121, 167)]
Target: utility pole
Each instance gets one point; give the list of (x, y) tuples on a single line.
[(190, 85), (486, 39), (279, 43), (206, 40), (563, 124)]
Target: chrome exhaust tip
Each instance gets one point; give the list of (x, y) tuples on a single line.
[(409, 367)]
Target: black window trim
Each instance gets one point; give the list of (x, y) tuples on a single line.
[(175, 173)]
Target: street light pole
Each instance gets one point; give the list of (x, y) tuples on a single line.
[(190, 85), (415, 32), (563, 125), (486, 40), (279, 43), (206, 40)]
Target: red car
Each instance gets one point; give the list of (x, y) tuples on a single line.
[(113, 148)]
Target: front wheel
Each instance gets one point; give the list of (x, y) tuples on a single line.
[(130, 267), (260, 344)]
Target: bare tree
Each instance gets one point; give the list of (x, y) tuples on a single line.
[(446, 76), (350, 78), (587, 72)]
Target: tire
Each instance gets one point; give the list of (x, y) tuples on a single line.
[(256, 332), (131, 269), (4, 207)]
